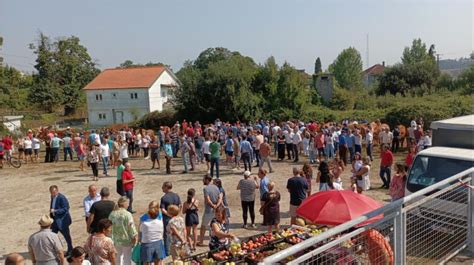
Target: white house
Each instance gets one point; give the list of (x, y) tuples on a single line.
[(122, 95)]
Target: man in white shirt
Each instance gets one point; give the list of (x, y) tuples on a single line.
[(289, 142), (123, 155), (90, 199), (369, 138), (105, 154), (296, 143)]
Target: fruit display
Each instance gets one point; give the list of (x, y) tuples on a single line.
[(256, 257), (236, 250), (282, 246), (209, 261), (295, 240), (221, 255), (250, 245)]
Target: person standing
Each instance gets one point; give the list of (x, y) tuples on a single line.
[(99, 246), (2, 153), (289, 142), (386, 161), (271, 208), (247, 187), (55, 144), (123, 156), (155, 151), (100, 210), (263, 186), (192, 153), (212, 200), (67, 147), (215, 147), (170, 198), (185, 154), (93, 160), (44, 246), (36, 147), (245, 153), (369, 138), (206, 151), (176, 233), (151, 236), (118, 183), (105, 155), (265, 151), (296, 143), (59, 211), (89, 200), (128, 181), (297, 187), (190, 209), (259, 139), (168, 155), (124, 232), (343, 147)]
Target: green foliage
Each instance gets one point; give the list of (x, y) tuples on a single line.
[(318, 68), (64, 68), (14, 88), (131, 64), (342, 99), (417, 70), (466, 81), (155, 119), (227, 85), (347, 69)]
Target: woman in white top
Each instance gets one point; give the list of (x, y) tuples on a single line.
[(363, 176), (151, 235), (207, 151), (28, 144), (105, 154), (36, 147)]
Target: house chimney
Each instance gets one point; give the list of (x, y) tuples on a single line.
[(383, 63)]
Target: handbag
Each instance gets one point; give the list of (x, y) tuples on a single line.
[(136, 255)]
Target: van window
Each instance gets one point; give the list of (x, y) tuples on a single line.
[(428, 170)]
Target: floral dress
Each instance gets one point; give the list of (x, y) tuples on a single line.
[(177, 248), (99, 248)]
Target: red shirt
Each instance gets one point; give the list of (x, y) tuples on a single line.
[(409, 159), (319, 140), (127, 175), (190, 132), (7, 143), (386, 158)]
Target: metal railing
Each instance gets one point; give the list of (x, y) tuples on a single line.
[(429, 226)]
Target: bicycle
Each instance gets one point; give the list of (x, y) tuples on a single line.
[(13, 161)]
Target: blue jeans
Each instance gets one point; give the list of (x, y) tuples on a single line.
[(185, 162), (67, 150), (129, 195), (329, 151), (214, 162), (369, 151), (387, 171), (351, 153), (200, 155), (312, 155), (105, 164), (54, 154)]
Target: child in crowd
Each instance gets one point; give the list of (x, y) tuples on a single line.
[(397, 185), (190, 209)]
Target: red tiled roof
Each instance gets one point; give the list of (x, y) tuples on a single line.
[(375, 70), (123, 78)]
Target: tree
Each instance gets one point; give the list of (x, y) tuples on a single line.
[(466, 81), (131, 64), (317, 66), (347, 69), (64, 68)]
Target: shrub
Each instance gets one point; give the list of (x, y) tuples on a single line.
[(155, 119)]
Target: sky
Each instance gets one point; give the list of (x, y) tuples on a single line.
[(294, 31)]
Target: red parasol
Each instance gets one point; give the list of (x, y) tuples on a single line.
[(335, 207)]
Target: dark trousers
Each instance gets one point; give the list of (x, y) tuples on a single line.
[(257, 156), (145, 151), (119, 187), (129, 194), (343, 153), (369, 151), (54, 154), (214, 162), (245, 157), (289, 150), (385, 171), (95, 170), (358, 148), (281, 151), (66, 234), (47, 157), (248, 207), (395, 145), (67, 150), (168, 165), (296, 152), (351, 153)]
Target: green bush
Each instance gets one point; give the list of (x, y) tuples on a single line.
[(155, 119)]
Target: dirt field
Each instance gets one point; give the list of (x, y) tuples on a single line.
[(25, 196)]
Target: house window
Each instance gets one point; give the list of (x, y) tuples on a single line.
[(133, 95), (102, 116), (163, 94), (114, 95), (98, 97)]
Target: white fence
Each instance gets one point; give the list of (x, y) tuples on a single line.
[(427, 227)]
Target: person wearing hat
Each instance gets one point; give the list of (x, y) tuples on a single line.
[(59, 211), (44, 246), (247, 187)]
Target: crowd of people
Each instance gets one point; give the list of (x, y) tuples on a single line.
[(170, 226)]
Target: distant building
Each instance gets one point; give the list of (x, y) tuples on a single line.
[(122, 95), (12, 123), (324, 84), (370, 75)]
